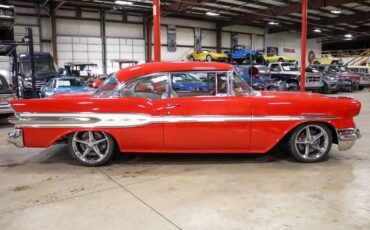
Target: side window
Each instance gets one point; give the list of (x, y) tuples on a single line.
[(275, 67), (153, 87), (50, 83), (195, 84)]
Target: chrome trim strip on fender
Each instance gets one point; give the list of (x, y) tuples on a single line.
[(91, 120)]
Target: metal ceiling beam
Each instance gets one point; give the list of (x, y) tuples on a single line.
[(292, 8)]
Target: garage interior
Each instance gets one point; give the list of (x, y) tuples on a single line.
[(46, 188)]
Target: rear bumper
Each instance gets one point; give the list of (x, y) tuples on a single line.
[(16, 137), (5, 109), (347, 138), (314, 85)]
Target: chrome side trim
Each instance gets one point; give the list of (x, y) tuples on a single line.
[(91, 120), (16, 137), (347, 138), (5, 109)]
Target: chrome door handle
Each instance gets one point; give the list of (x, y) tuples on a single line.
[(171, 106)]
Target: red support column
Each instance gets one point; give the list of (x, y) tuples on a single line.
[(303, 45), (157, 30)]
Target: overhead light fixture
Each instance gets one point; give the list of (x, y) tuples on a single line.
[(126, 3), (317, 31), (273, 23), (335, 11), (212, 14), (348, 36)]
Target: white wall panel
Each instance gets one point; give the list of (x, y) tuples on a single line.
[(46, 28), (259, 42), (116, 29), (245, 39), (88, 14), (226, 40), (185, 36), (208, 38), (69, 13), (292, 41), (78, 27)]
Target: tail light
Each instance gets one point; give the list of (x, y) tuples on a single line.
[(357, 78)]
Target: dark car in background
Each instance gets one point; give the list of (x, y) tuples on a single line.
[(6, 94), (290, 75), (347, 81), (330, 81), (44, 71), (364, 72)]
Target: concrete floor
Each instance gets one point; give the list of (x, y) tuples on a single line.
[(46, 189)]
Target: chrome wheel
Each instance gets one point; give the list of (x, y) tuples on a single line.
[(208, 58), (312, 142), (91, 147)]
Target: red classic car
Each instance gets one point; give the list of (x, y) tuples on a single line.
[(137, 110)]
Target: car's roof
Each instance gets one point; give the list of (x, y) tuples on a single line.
[(157, 67)]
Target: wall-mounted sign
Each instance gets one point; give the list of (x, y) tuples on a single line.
[(171, 39), (289, 50), (272, 50)]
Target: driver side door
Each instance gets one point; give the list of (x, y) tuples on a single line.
[(213, 122)]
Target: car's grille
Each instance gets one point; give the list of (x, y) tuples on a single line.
[(313, 79), (39, 84)]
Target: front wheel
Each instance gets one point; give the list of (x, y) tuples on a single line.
[(191, 58), (91, 148), (209, 58), (310, 142), (281, 60)]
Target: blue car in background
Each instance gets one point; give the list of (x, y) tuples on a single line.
[(257, 76), (241, 53), (188, 83), (65, 84)]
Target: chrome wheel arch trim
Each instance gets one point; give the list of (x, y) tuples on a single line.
[(119, 120)]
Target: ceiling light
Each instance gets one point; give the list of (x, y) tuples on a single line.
[(123, 3), (317, 31), (273, 23), (212, 14), (335, 11), (348, 36)]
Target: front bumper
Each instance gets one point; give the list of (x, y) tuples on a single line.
[(5, 109), (347, 138), (16, 137), (364, 83), (314, 85)]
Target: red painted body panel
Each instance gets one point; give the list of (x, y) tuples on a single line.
[(196, 137)]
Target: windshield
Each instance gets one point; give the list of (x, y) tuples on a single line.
[(289, 67), (109, 85), (343, 69), (40, 68), (69, 83)]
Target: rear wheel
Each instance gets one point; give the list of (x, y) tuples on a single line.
[(209, 58), (191, 58), (273, 88), (361, 87), (334, 62), (280, 60), (91, 148), (316, 63), (310, 142)]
